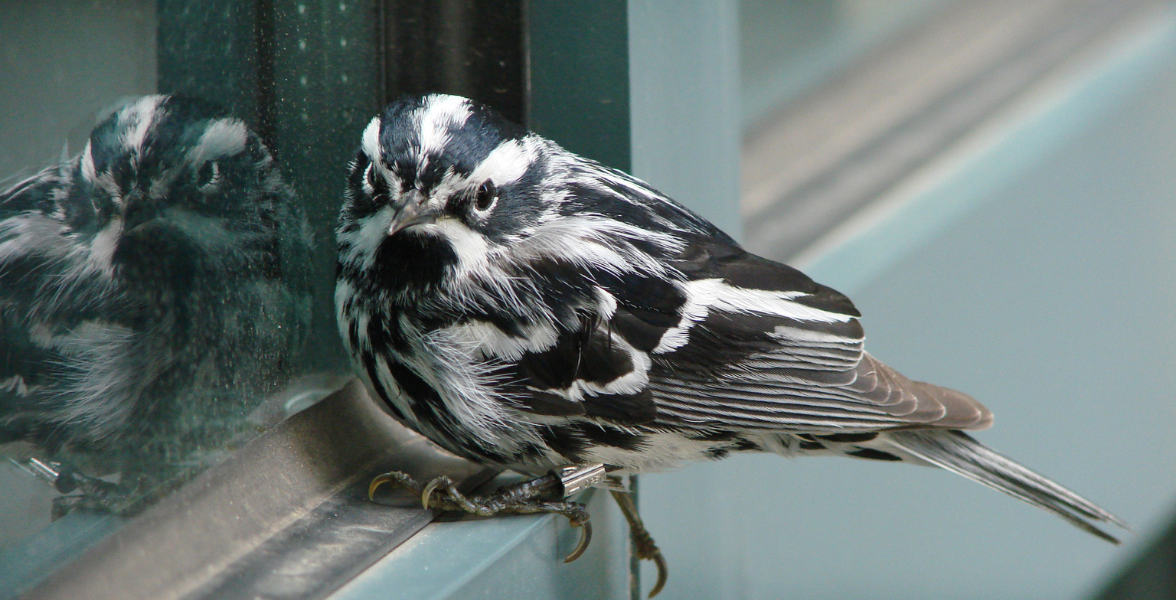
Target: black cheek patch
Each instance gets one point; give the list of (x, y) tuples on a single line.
[(361, 204)]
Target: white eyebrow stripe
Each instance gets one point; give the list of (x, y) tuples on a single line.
[(225, 137), (506, 163), (371, 148), (88, 164), (371, 141)]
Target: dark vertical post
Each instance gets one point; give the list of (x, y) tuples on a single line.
[(578, 76), (463, 47)]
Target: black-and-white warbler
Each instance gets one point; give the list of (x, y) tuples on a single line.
[(152, 289), (524, 307)]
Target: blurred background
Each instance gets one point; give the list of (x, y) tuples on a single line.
[(994, 184), (992, 181)]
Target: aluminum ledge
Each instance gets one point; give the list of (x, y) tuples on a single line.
[(285, 517)]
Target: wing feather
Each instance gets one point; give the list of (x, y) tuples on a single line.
[(760, 345), (736, 341)]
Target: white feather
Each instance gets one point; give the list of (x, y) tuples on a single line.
[(482, 340), (705, 295), (440, 114), (88, 172), (364, 240), (104, 244), (225, 137), (142, 115), (507, 163), (371, 141)]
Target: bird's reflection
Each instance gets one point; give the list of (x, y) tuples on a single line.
[(153, 289)]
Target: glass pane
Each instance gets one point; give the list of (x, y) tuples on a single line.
[(170, 172)]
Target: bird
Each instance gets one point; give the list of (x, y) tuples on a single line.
[(529, 309), (153, 289)]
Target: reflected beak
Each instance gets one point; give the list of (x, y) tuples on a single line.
[(138, 209), (414, 211)]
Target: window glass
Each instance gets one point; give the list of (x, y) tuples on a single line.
[(170, 172)]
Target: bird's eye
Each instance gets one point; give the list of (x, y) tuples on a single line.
[(487, 194), (208, 176)]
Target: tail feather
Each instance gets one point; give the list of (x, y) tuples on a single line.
[(958, 452)]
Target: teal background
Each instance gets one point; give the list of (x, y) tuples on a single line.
[(1034, 270)]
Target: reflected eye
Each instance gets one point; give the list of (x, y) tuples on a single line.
[(208, 176), (487, 194)]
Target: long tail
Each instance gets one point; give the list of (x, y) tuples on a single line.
[(959, 453)]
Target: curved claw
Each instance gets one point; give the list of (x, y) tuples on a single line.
[(432, 485), (585, 539), (663, 574), (377, 482)]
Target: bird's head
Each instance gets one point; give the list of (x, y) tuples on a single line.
[(168, 186), (439, 183)]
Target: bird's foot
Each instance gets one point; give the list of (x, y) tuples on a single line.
[(95, 495), (643, 544), (544, 494)]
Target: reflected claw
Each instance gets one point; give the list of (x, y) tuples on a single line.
[(585, 539)]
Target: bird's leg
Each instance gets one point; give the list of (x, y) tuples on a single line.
[(544, 494), (643, 544)]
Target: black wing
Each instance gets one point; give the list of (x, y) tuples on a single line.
[(739, 342), (762, 346)]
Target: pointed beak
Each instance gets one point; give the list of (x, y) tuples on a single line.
[(414, 210), (138, 209)]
